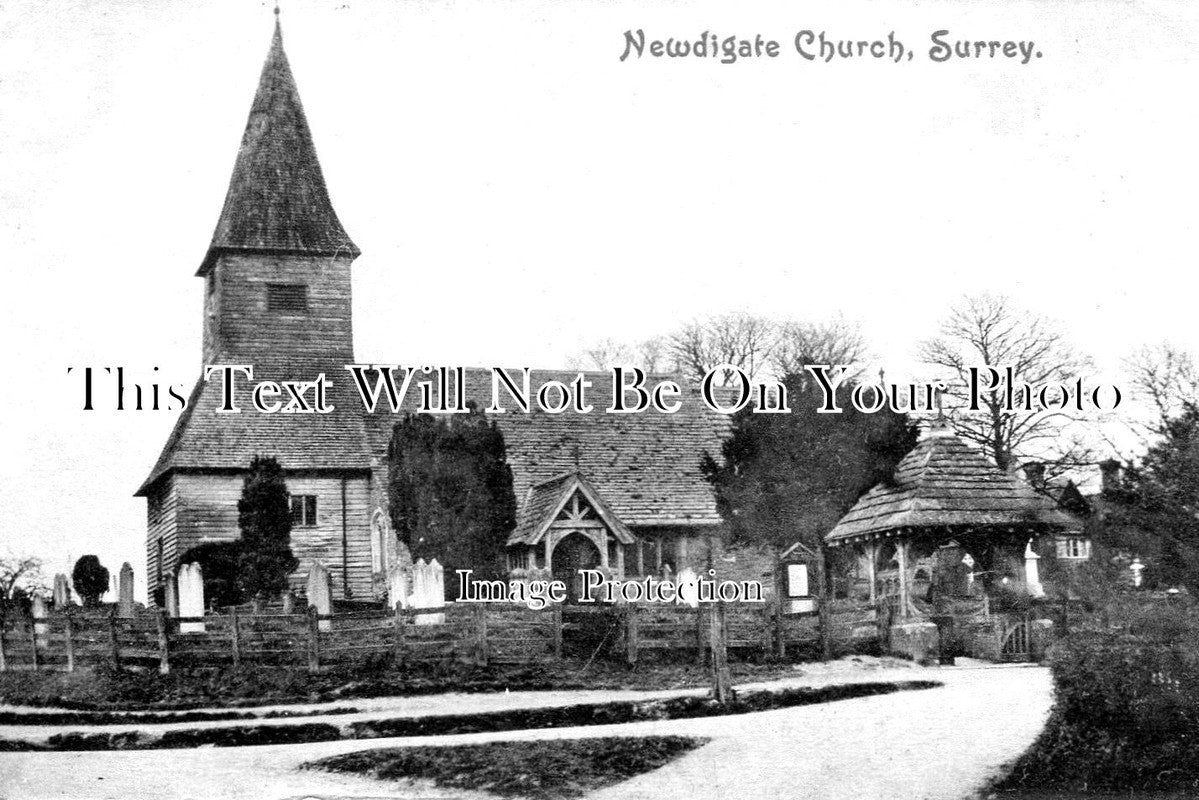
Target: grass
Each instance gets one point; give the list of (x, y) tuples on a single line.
[(106, 689), (555, 769)]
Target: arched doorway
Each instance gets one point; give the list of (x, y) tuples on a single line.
[(573, 553)]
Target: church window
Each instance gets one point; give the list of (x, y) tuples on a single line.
[(286, 297), (303, 510), (1074, 547)]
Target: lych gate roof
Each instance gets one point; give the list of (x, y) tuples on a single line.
[(946, 484), (547, 500), (277, 199)]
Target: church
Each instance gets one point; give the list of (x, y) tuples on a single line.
[(623, 492)]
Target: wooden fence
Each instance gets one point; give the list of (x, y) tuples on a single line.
[(479, 633)]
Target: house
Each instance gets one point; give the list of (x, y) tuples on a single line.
[(624, 491)]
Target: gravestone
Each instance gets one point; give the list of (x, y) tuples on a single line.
[(171, 595), (320, 593), (62, 592), (397, 587), (38, 610), (191, 597), (428, 590), (289, 601), (688, 587), (1032, 576), (125, 592)]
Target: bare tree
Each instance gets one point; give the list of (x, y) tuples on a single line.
[(834, 341), (988, 330), (649, 354), (1164, 377), (741, 340), (20, 572)]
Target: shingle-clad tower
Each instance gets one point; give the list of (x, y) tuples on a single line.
[(277, 272), (277, 299)]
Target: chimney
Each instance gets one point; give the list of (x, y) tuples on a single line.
[(1110, 472), (1034, 473)]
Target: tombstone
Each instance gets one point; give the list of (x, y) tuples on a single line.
[(688, 587), (62, 592), (125, 592), (171, 595), (191, 597), (37, 605), (1032, 577), (289, 602), (397, 588), (428, 590), (320, 593), (1137, 569)]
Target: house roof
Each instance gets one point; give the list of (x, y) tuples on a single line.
[(545, 502), (277, 200), (645, 467), (943, 483), (204, 440)]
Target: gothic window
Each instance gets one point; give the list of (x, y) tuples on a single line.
[(303, 510), (286, 297)]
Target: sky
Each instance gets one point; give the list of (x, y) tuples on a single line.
[(518, 191)]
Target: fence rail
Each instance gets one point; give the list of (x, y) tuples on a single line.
[(479, 633)]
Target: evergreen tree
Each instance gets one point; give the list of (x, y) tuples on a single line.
[(220, 566), (90, 579), (264, 516), (450, 491)]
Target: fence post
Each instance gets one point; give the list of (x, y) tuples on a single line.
[(721, 689), (481, 654), (235, 634), (631, 642), (3, 628), (314, 639), (33, 642), (780, 633), (164, 658), (68, 635), (113, 641), (557, 617), (701, 649), (767, 633), (399, 635)]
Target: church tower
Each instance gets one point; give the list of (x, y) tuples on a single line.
[(277, 274), (276, 299)]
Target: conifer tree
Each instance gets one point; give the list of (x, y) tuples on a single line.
[(264, 516), (90, 579)]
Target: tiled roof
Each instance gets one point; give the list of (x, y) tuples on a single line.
[(538, 510), (945, 483), (205, 440), (277, 199), (645, 466)]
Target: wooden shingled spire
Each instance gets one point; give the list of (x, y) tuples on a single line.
[(277, 200)]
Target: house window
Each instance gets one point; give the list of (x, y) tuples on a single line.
[(303, 510), (1074, 547), (286, 297)]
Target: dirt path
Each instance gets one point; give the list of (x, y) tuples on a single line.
[(939, 743)]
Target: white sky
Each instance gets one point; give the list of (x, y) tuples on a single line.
[(517, 191)]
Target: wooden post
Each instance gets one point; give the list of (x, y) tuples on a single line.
[(33, 642), (481, 653), (871, 566), (3, 658), (722, 690), (314, 639), (631, 633), (557, 617), (780, 633), (825, 600), (399, 635), (901, 552), (68, 638), (701, 651), (164, 654), (235, 635), (113, 640), (767, 632)]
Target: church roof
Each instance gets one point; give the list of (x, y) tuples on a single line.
[(945, 483), (645, 466), (204, 441), (277, 199)]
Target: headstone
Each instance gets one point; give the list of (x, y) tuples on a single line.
[(191, 597), (1138, 570), (428, 590), (688, 587), (62, 591), (1032, 577), (320, 593), (289, 602), (125, 592), (171, 592), (397, 587), (38, 610)]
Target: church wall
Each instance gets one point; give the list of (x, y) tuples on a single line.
[(246, 328), (161, 525), (207, 512)]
